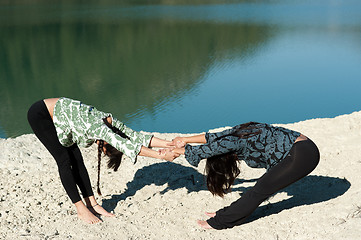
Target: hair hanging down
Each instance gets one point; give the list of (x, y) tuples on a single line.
[(222, 170), (100, 150), (115, 156)]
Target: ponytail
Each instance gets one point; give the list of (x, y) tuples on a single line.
[(100, 150)]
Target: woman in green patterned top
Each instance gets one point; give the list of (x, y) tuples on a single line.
[(63, 124)]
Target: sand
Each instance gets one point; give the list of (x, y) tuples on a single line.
[(160, 200)]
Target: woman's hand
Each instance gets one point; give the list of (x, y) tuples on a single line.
[(178, 142), (167, 154), (210, 214), (204, 224)]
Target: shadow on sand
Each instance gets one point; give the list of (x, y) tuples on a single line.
[(309, 190), (174, 175)]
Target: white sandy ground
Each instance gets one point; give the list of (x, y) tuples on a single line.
[(159, 200)]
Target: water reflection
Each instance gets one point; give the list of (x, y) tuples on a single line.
[(122, 66), (163, 68)]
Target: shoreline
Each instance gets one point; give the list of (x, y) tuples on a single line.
[(3, 134), (153, 199)]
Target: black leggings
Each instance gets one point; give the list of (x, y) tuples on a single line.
[(303, 158), (70, 162)]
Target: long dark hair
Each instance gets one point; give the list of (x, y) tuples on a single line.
[(115, 156), (222, 170)]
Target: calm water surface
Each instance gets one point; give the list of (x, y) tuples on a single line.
[(182, 68)]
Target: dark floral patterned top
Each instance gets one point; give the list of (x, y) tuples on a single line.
[(264, 149)]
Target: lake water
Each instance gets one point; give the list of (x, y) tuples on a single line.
[(182, 68)]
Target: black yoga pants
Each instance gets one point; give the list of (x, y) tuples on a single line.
[(303, 158), (70, 162)]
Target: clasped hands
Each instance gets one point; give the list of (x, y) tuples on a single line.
[(173, 149)]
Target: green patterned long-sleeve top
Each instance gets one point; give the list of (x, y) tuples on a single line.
[(265, 149), (83, 124)]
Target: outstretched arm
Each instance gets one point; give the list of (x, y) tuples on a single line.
[(180, 142), (160, 143), (166, 155), (201, 138), (179, 151)]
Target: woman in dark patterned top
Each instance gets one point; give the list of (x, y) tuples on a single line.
[(63, 124), (287, 155)]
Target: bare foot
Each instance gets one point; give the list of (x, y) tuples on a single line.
[(95, 208), (88, 217), (210, 214), (100, 210), (204, 224), (84, 213)]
